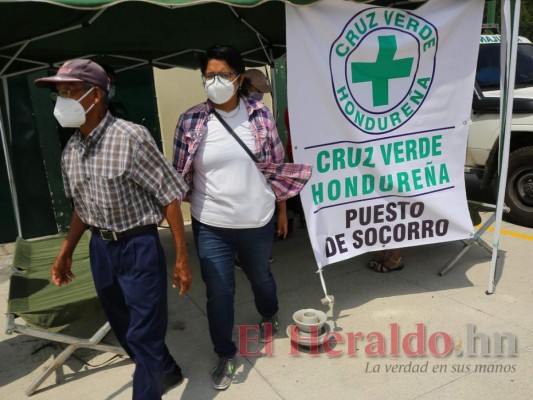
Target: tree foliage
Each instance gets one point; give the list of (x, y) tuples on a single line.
[(526, 17)]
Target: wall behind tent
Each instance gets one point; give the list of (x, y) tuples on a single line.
[(177, 90), (35, 147)]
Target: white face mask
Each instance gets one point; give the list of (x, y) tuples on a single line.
[(219, 90), (69, 112)]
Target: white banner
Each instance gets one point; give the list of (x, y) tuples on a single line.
[(379, 104)]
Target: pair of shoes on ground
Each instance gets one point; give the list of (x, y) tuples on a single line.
[(222, 373), (383, 262), (172, 381)]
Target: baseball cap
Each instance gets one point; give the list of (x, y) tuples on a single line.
[(77, 70), (258, 80)]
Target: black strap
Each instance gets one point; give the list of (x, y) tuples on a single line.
[(237, 138)]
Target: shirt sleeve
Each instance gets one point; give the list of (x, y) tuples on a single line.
[(152, 171), (66, 180), (180, 147), (181, 152), (278, 153)]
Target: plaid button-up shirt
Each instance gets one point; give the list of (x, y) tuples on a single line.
[(192, 127), (117, 177)]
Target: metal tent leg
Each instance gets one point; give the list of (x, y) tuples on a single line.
[(9, 168), (476, 238)]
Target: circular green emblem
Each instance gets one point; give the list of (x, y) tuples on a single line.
[(382, 66)]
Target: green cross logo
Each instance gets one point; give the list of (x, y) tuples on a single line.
[(382, 66), (382, 70)]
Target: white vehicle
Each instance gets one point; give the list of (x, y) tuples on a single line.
[(482, 149)]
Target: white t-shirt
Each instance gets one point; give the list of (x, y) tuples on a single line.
[(229, 190)]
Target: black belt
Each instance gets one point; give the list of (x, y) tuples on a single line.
[(107, 234)]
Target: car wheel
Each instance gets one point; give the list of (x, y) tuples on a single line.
[(519, 190)]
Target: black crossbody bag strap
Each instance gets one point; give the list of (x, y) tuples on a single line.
[(237, 138)]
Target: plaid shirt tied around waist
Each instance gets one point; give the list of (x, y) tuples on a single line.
[(117, 177)]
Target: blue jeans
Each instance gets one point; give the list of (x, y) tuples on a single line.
[(216, 249), (131, 281)]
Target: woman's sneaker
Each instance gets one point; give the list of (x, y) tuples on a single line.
[(268, 329), (223, 373)]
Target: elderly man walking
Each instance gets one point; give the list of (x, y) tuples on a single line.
[(121, 186)]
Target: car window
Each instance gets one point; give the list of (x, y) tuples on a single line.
[(488, 65)]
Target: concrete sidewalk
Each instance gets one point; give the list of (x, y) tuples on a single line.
[(368, 307)]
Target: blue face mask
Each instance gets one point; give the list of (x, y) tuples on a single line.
[(256, 96)]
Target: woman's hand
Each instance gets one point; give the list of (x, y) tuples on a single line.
[(282, 227)]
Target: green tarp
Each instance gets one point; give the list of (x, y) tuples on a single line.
[(39, 302)]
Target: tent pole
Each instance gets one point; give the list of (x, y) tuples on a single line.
[(24, 71), (510, 12), (24, 43), (14, 57), (10, 176)]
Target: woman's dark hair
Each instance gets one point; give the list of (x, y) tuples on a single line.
[(232, 57)]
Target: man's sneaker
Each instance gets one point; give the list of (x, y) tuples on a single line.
[(268, 329), (172, 381), (223, 373)]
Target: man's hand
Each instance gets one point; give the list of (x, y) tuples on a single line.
[(61, 271), (182, 276)]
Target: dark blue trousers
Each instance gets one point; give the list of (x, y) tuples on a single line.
[(130, 279), (216, 249)]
